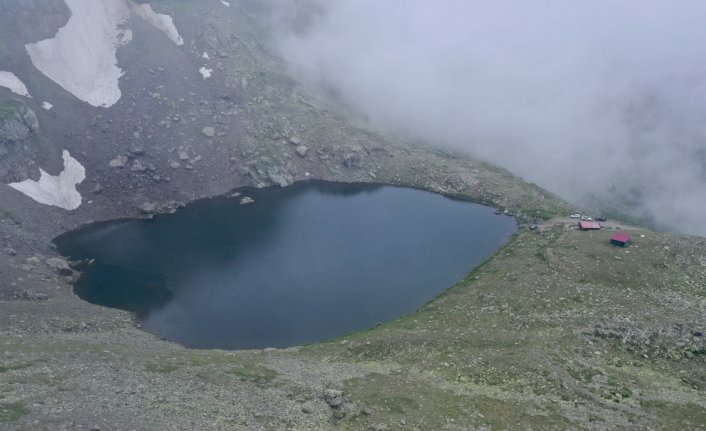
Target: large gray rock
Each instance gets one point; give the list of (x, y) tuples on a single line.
[(29, 118), (333, 397), (302, 150), (148, 208), (209, 131), (118, 162), (59, 265)]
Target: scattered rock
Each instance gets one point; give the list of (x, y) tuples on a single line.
[(137, 151), (246, 200), (294, 140), (209, 131), (169, 207), (183, 155), (266, 169), (302, 150), (352, 161), (97, 188), (59, 265), (333, 397), (148, 208), (307, 410), (174, 165), (10, 251), (118, 162), (30, 295), (137, 166)]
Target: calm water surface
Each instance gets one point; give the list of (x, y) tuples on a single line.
[(300, 264)]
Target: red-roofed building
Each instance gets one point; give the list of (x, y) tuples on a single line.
[(620, 239), (589, 225)]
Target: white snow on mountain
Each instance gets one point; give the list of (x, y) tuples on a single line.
[(58, 190), (81, 57), (205, 72), (12, 82)]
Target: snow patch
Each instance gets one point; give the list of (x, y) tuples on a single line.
[(225, 3), (59, 190), (205, 72), (12, 82), (47, 105), (161, 22), (81, 57)]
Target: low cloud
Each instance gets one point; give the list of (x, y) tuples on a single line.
[(602, 102)]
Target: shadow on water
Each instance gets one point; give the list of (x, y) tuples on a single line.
[(118, 287), (300, 264)]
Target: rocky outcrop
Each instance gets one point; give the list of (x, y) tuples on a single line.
[(17, 123), (168, 207), (267, 171), (19, 128)]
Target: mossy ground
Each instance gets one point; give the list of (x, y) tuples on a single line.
[(10, 412), (559, 330)]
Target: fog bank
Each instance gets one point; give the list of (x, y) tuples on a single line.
[(598, 100)]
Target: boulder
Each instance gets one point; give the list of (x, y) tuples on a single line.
[(333, 397), (118, 162), (59, 265), (29, 118), (302, 150), (209, 131), (148, 208)]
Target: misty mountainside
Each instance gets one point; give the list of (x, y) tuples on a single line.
[(125, 109)]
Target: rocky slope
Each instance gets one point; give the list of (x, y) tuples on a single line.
[(557, 331)]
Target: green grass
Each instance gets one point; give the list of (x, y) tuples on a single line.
[(6, 368), (12, 411), (254, 373), (162, 368), (8, 107)]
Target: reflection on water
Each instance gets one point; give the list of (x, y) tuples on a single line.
[(300, 264)]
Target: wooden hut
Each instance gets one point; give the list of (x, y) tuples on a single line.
[(620, 239), (589, 225)]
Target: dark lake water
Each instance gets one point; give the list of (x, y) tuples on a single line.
[(300, 264)]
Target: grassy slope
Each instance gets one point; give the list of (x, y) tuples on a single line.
[(558, 330)]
